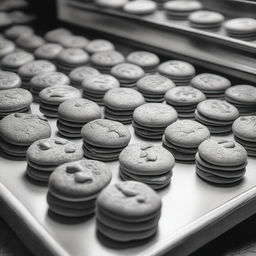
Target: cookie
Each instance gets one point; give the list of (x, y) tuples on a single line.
[(133, 209), (151, 119), (154, 87), (14, 100), (33, 68), (73, 41), (182, 139), (74, 114), (217, 115), (5, 20), (46, 79), (6, 47), (48, 51), (44, 155), (51, 97), (140, 7), (29, 43), (180, 72), (148, 61), (21, 18), (104, 139), (184, 99), (146, 163), (9, 80), (243, 97), (75, 186), (104, 61), (19, 130), (112, 4), (16, 31), (213, 86), (56, 35), (99, 45), (217, 158), (95, 87), (120, 104)]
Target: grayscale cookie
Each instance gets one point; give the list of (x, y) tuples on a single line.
[(120, 104), (6, 47), (104, 139), (9, 80), (5, 20), (217, 115), (99, 45), (213, 86), (75, 186), (148, 61), (74, 114), (182, 139), (16, 31), (127, 211), (44, 155), (14, 100), (73, 41), (48, 51), (151, 119), (154, 87), (180, 72), (19, 130), (112, 4), (51, 97), (218, 158), (243, 97), (29, 43), (56, 35), (184, 99), (244, 129), (146, 163), (127, 74), (140, 7), (95, 87)]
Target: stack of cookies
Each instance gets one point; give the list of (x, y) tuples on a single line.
[(127, 211), (74, 114), (221, 161), (182, 139), (146, 163), (217, 115), (74, 188), (104, 139), (44, 155)]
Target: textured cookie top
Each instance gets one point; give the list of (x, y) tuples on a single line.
[(143, 59), (182, 6), (106, 133), (73, 56), (81, 73), (14, 99), (59, 93), (17, 59), (56, 35), (54, 151), (6, 47), (187, 133), (31, 41), (72, 41), (79, 110), (9, 80), (242, 93), (123, 98), (18, 30), (147, 159), (155, 115), (129, 199), (245, 127), (24, 129), (107, 59), (224, 152), (241, 25), (140, 7), (218, 110), (210, 82), (79, 180), (48, 51), (99, 45), (206, 17)]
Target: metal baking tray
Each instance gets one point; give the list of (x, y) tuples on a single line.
[(194, 212), (176, 39)]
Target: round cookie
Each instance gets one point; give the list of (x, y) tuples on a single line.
[(140, 7), (112, 4), (72, 41), (16, 31), (48, 51), (5, 20), (9, 80), (99, 45), (6, 47), (56, 35), (29, 43)]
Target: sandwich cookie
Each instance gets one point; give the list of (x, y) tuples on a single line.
[(72, 41), (95, 87), (180, 72), (213, 86), (244, 129), (221, 161), (75, 186), (51, 97), (9, 80), (147, 163), (6, 47), (14, 100), (33, 68), (146, 60), (243, 97), (154, 87), (112, 4), (184, 99), (103, 139), (217, 115), (151, 119), (127, 211), (56, 35), (120, 104), (140, 7), (16, 31), (99, 45), (19, 130), (30, 42), (74, 114), (44, 155), (182, 139), (48, 51)]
